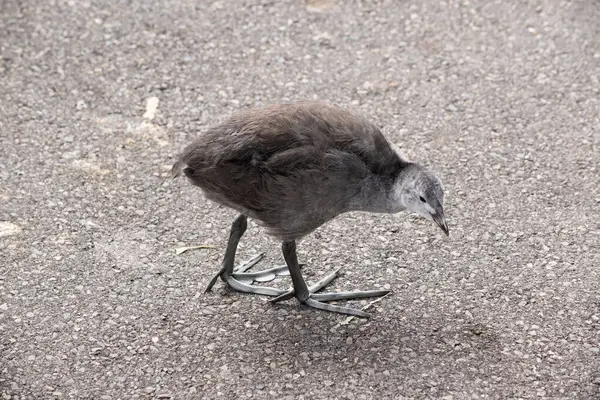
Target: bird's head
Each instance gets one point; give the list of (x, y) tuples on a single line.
[(421, 192)]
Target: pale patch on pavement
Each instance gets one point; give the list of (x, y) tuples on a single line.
[(9, 229), (151, 107), (150, 131), (90, 167), (140, 128), (318, 5)]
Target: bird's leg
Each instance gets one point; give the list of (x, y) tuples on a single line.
[(227, 266), (307, 296), (235, 234)]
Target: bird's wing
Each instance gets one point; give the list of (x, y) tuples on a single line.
[(291, 136), (324, 127)]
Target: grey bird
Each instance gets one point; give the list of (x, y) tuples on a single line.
[(292, 168)]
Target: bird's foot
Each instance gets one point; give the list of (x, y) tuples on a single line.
[(242, 281), (266, 275), (319, 300)]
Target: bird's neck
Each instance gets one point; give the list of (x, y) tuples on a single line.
[(378, 196)]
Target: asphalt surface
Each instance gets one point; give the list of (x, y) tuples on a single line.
[(502, 98)]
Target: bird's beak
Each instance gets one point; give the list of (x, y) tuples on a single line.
[(440, 220)]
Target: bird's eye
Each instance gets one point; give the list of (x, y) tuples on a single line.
[(422, 199)]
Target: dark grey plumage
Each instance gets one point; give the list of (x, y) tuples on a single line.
[(293, 167)]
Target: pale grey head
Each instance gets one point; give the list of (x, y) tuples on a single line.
[(421, 191)]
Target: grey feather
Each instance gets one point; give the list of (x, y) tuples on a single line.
[(177, 168)]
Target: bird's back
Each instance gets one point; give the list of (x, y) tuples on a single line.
[(292, 166)]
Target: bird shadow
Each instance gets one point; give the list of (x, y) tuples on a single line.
[(303, 332)]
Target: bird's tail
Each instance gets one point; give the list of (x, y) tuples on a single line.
[(177, 168)]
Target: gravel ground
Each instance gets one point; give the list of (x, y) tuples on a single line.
[(501, 97)]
